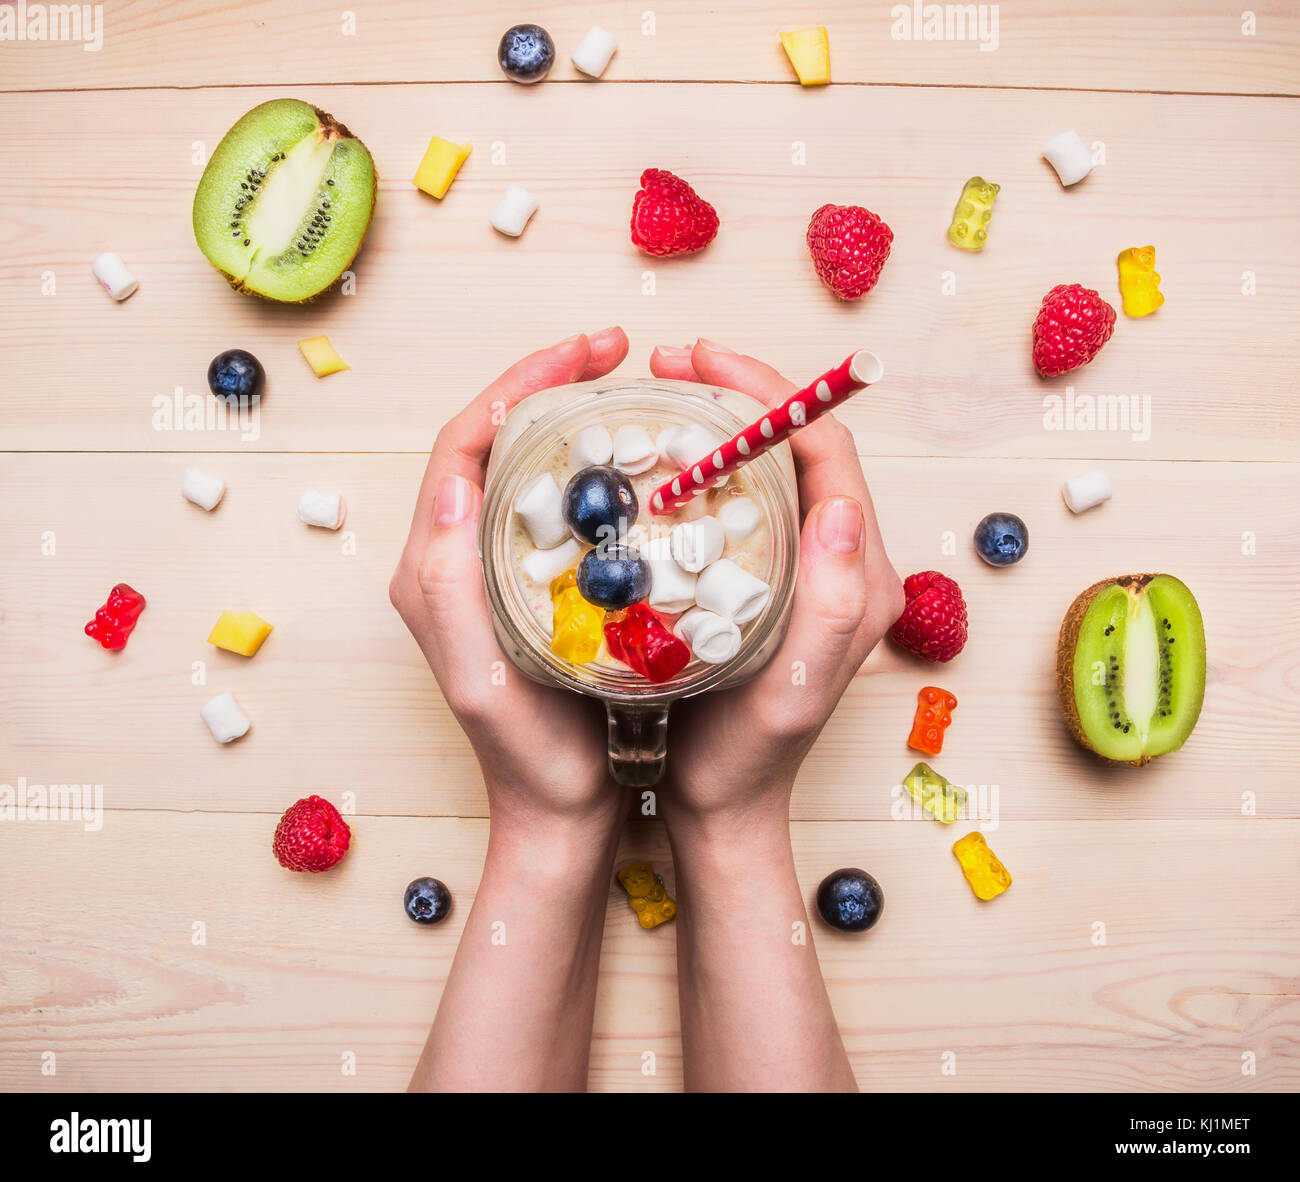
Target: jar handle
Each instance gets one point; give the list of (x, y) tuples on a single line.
[(638, 744)]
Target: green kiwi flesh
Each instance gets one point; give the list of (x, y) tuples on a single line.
[(1130, 667), (285, 201)]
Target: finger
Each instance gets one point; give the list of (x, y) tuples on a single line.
[(463, 444), (830, 602), (456, 635), (668, 361)]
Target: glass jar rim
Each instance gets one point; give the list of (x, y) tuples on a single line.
[(523, 458)]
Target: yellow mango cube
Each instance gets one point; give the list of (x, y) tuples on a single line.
[(321, 356), (809, 51), (441, 163), (239, 632)]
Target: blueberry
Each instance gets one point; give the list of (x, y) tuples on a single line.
[(236, 376), (1001, 539), (599, 504), (850, 900), (427, 901), (526, 53), (613, 577)]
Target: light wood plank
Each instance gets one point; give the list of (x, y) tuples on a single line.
[(1199, 964), (443, 302), (1187, 45), (340, 697)]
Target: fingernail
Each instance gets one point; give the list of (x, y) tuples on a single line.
[(839, 525), (577, 336), (451, 504), (604, 332), (671, 351), (714, 347)]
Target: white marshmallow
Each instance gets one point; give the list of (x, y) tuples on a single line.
[(671, 588), (1086, 491), (1069, 155), (515, 208), (592, 445), (543, 565), (634, 450), (664, 440), (594, 51), (690, 443), (225, 719), (537, 505), (713, 638), (202, 488), (114, 275), (732, 592), (739, 517), (695, 544), (323, 509)]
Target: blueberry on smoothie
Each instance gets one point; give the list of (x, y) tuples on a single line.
[(599, 504), (850, 900), (613, 577)]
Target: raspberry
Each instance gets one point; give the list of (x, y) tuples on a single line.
[(669, 217), (933, 624), (1071, 326), (311, 836), (849, 246)]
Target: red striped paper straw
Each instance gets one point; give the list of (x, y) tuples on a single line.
[(836, 385)]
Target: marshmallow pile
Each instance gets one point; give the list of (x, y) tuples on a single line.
[(713, 596)]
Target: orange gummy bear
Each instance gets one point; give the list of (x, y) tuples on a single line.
[(934, 707)]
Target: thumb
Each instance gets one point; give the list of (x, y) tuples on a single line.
[(458, 639), (830, 601)]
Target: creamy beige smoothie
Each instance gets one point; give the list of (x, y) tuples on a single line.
[(752, 554)]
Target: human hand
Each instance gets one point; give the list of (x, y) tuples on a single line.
[(541, 749), (846, 597)]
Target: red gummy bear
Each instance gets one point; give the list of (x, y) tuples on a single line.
[(934, 707), (641, 641), (116, 620)]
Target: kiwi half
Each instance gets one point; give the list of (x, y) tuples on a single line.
[(1130, 667), (285, 201)]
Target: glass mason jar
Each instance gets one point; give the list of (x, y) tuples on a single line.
[(525, 446)]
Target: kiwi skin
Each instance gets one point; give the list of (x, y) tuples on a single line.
[(1065, 646), (333, 129)]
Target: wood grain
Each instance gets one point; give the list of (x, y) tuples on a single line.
[(443, 303), (340, 696), (1187, 45), (1199, 964)]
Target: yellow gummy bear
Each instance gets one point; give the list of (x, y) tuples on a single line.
[(969, 228), (646, 894), (809, 51), (578, 626), (239, 632), (987, 876), (1139, 283), (441, 163), (321, 356)]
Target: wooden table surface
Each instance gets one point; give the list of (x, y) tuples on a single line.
[(1152, 937)]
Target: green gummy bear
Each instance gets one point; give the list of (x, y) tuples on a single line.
[(941, 798)]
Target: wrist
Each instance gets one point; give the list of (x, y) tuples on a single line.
[(548, 843)]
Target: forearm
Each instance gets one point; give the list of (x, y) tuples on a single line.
[(754, 1008), (516, 1012)]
